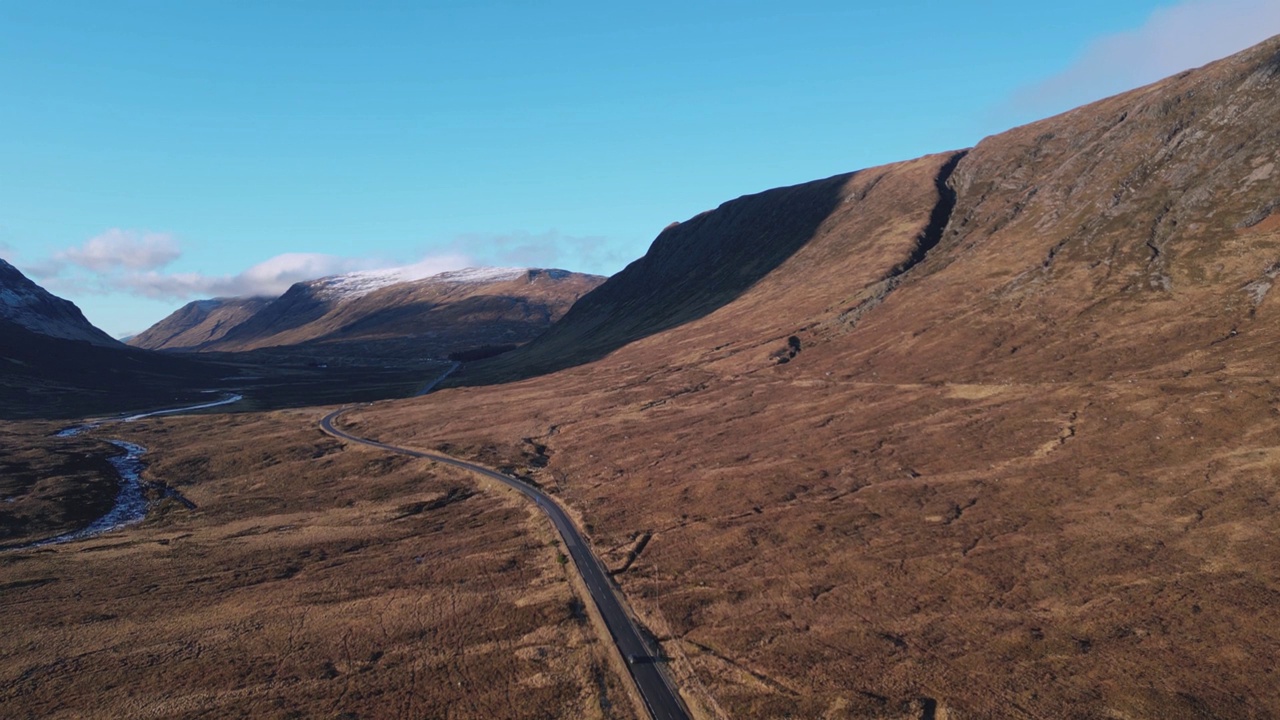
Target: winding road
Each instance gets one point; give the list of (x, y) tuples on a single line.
[(660, 696)]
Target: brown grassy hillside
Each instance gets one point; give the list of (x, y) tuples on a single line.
[(997, 441), (198, 322)]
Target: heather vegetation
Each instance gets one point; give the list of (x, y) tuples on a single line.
[(987, 433)]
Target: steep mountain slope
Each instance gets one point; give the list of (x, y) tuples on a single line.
[(27, 305), (54, 363), (197, 323), (987, 434), (829, 238), (450, 311)]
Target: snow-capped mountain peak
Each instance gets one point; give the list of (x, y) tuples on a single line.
[(358, 284)]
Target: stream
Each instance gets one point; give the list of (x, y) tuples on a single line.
[(130, 504)]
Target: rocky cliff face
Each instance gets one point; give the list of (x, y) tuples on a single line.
[(27, 305)]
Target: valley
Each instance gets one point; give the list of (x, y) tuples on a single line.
[(308, 580), (987, 433)]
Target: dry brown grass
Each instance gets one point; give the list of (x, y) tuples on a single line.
[(312, 580), (843, 549), (1034, 476), (50, 486)]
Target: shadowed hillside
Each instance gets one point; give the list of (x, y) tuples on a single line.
[(699, 266)]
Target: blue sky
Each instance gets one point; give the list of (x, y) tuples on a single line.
[(157, 152)]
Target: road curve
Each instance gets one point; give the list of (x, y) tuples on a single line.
[(660, 697)]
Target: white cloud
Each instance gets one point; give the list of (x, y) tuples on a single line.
[(134, 262), (269, 278), (116, 248), (551, 249), (1173, 39)]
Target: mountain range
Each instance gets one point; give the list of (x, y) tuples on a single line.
[(54, 362), (447, 312), (987, 433), (27, 307)]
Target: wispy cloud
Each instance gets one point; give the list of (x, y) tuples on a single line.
[(133, 262), (549, 249), (266, 279), (1172, 39), (116, 248), (269, 278), (137, 263)]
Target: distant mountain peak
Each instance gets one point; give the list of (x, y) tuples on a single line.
[(472, 306), (350, 286)]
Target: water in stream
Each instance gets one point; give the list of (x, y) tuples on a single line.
[(130, 506)]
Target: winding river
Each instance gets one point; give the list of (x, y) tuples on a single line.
[(131, 503)]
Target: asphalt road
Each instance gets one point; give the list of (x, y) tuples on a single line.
[(660, 697)]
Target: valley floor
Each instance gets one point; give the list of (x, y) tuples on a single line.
[(311, 580), (816, 546)]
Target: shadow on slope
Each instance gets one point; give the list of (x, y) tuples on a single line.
[(446, 318), (692, 269), (297, 307), (47, 378)]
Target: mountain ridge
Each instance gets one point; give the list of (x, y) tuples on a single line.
[(379, 305), (25, 304), (1149, 156), (1029, 471)]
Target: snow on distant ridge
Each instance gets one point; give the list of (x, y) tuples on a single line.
[(361, 283), (480, 274)]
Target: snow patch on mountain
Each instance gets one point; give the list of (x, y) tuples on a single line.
[(358, 284)]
